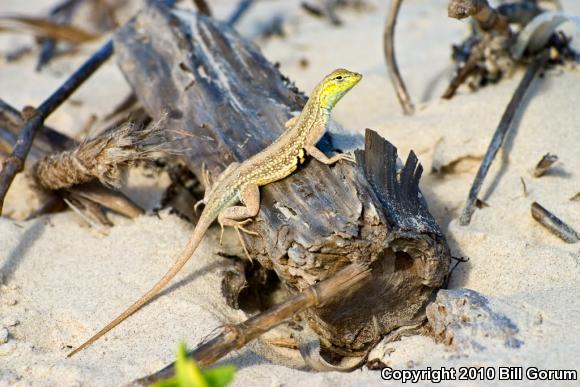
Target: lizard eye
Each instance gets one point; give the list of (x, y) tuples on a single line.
[(338, 78)]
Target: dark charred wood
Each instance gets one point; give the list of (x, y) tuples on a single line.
[(232, 103)]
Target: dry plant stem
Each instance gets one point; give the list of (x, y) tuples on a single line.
[(47, 28), (553, 224), (99, 158), (108, 198), (545, 164), (234, 337), (487, 17), (325, 10), (203, 7), (239, 11), (393, 69), (62, 14), (463, 73), (46, 140), (49, 141), (499, 135), (15, 163)]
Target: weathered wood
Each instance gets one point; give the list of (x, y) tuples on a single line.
[(233, 102)]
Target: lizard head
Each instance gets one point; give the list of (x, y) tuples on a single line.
[(335, 85)]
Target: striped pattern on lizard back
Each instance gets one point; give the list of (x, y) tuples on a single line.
[(281, 159)]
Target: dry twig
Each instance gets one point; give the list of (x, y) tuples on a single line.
[(554, 224), (46, 28), (233, 337), (466, 70), (393, 69), (99, 158), (242, 7), (202, 7), (486, 17), (500, 133), (15, 163), (60, 14), (326, 10), (544, 164), (48, 141)]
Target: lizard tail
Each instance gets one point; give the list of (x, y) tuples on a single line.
[(183, 257)]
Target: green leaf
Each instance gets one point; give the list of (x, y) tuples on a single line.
[(220, 376), (171, 382), (188, 374)]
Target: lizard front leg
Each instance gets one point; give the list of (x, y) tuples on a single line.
[(313, 151), (238, 216)]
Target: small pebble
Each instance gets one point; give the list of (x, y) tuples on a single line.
[(3, 336), (8, 288), (10, 301), (8, 348), (10, 322)]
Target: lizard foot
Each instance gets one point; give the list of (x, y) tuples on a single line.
[(238, 226), (244, 244), (346, 157)]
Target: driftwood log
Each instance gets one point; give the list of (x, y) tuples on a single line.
[(217, 87)]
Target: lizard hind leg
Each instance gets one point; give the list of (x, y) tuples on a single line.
[(238, 216), (209, 183)]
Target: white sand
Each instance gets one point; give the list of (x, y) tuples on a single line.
[(63, 281)]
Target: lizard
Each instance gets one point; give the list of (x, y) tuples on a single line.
[(240, 182)]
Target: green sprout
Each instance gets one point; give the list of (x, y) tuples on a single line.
[(188, 374)]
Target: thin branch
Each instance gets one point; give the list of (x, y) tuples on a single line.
[(486, 17), (202, 7), (46, 141), (239, 11), (468, 68), (553, 224), (547, 161), (15, 163), (500, 133), (234, 337), (100, 158), (325, 10), (61, 14), (392, 67)]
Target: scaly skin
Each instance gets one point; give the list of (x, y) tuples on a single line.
[(240, 182)]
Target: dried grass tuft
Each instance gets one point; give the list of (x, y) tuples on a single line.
[(101, 158)]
